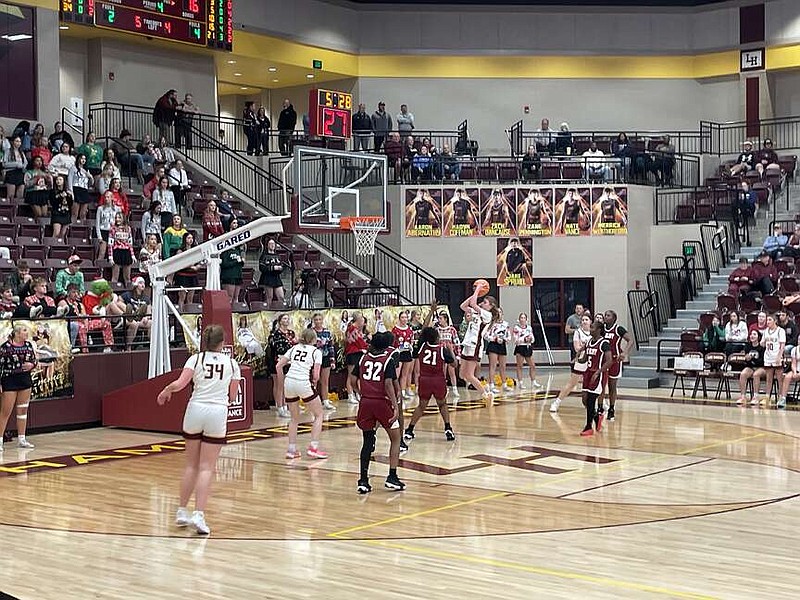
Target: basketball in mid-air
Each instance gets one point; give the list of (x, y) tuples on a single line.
[(482, 286)]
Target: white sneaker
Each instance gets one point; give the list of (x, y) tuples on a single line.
[(328, 405), (454, 390), (407, 394), (24, 443), (182, 517), (508, 388), (494, 389), (283, 412), (199, 523), (554, 405), (521, 384), (536, 384), (353, 398), (754, 401)]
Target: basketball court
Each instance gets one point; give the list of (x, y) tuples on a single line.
[(680, 500)]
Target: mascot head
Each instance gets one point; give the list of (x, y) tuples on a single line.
[(102, 290)]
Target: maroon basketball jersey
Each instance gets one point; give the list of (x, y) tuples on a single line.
[(594, 351), (372, 375), (614, 335), (431, 360)]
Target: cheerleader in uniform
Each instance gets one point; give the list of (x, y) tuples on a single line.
[(17, 362), (448, 336), (325, 345), (416, 327), (496, 337), (522, 334), (580, 339)]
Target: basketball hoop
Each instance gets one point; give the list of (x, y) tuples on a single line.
[(365, 230)]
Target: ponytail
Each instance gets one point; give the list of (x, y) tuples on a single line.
[(212, 338)]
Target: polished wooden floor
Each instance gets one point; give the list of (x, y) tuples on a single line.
[(674, 499)]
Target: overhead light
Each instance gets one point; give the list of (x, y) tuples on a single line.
[(231, 62), (17, 37), (310, 76), (237, 74), (272, 69), (63, 27)]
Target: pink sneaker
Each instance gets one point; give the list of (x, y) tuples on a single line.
[(316, 452), (292, 455)]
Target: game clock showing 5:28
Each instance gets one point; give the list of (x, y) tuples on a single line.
[(330, 113)]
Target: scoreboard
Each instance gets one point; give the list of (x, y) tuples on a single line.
[(330, 113), (199, 22)]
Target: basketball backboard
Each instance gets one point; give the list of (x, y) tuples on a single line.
[(331, 184)]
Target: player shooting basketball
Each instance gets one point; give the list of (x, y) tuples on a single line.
[(497, 217), (572, 213), (422, 214), (460, 214)]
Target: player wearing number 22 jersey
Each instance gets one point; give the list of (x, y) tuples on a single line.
[(376, 373)]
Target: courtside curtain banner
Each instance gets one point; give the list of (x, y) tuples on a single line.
[(516, 211)]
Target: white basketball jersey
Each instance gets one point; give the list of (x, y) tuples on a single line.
[(772, 346), (480, 319), (213, 373), (302, 359)]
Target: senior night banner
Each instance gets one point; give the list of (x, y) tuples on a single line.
[(534, 212), (514, 262), (423, 210), (499, 211), (461, 212), (573, 214), (609, 210), (51, 340)]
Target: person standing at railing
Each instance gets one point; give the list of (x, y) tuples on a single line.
[(381, 126), (249, 118), (664, 161), (164, 112), (405, 121), (287, 121), (263, 127), (185, 112), (362, 129), (545, 138)]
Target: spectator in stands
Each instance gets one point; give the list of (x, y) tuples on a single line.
[(225, 209), (172, 239), (564, 140), (741, 279), (93, 152), (146, 149), (735, 333), (5, 144), (545, 138), (164, 196), (212, 224), (429, 145), (381, 126), (71, 275), (405, 121), (793, 245), (103, 181), (104, 221), (394, 151), (362, 129), (422, 166), (624, 152), (42, 150), (754, 368), (164, 112), (714, 336), (62, 162), (150, 253), (187, 278), (151, 220), (745, 162), (179, 184), (79, 181), (767, 160), (531, 164), (110, 161), (250, 127), (120, 245), (664, 161), (8, 305), (38, 303), (231, 268), (409, 152), (58, 137), (14, 164), (137, 306), (775, 243), (150, 186), (760, 324), (786, 323), (61, 202), (263, 127), (32, 141), (70, 306), (163, 153), (745, 208), (765, 275), (448, 164), (129, 158), (120, 197), (88, 306), (596, 163), (287, 121), (184, 115), (37, 188), (20, 281), (271, 267)]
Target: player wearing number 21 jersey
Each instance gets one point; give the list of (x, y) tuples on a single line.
[(376, 373)]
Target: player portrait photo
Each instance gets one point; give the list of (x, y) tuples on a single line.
[(534, 212), (514, 262), (461, 212), (609, 210), (573, 215), (498, 211), (423, 212)]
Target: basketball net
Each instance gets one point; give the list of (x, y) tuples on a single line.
[(366, 232)]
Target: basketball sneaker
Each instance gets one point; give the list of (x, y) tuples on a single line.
[(781, 402), (611, 414), (292, 454), (182, 517), (23, 443), (598, 421), (353, 398), (508, 388), (536, 384), (316, 452), (363, 487), (587, 432), (328, 405), (408, 435), (522, 385), (554, 405), (283, 412), (754, 400), (449, 435), (394, 483), (403, 447), (199, 523), (454, 390)]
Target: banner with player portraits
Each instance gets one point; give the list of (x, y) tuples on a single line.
[(498, 211), (423, 210), (610, 210), (514, 262), (534, 212), (461, 211), (516, 210)]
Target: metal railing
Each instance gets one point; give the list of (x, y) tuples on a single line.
[(77, 129), (659, 283), (695, 204), (726, 138), (643, 308)]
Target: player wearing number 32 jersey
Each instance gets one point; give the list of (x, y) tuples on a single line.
[(376, 373), (433, 359)]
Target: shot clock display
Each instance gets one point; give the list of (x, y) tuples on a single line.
[(198, 22), (330, 113)]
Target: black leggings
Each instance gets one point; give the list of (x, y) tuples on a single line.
[(367, 448)]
